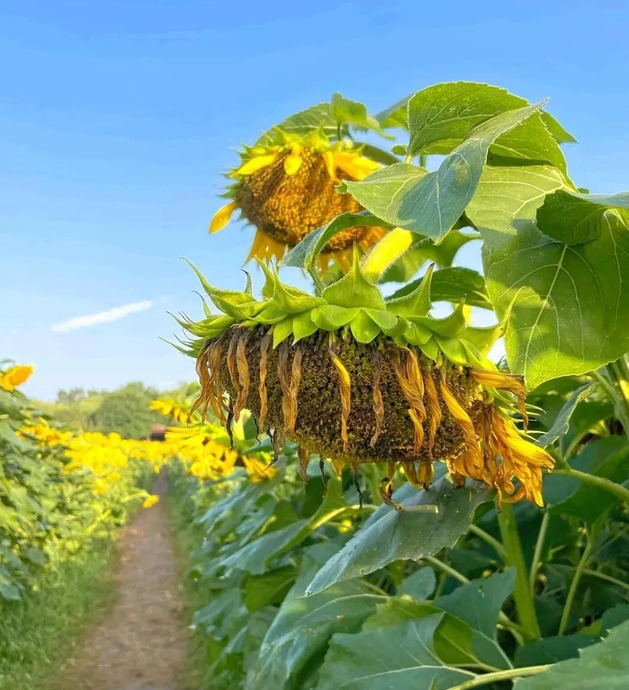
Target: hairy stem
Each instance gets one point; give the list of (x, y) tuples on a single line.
[(603, 483), (507, 674), (523, 596), (607, 578), (492, 541), (563, 624), (537, 554)]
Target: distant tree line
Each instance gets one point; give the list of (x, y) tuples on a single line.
[(124, 410)]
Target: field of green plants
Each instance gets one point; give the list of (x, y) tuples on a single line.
[(414, 474), (459, 537)]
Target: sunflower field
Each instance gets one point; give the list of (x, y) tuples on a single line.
[(61, 491), (409, 470), (413, 474)]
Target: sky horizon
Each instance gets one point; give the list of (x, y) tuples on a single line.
[(118, 118)]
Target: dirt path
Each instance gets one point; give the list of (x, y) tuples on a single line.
[(141, 643)]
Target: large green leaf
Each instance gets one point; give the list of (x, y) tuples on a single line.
[(550, 650), (432, 203), (456, 641), (297, 639), (603, 665), (255, 556), (397, 114), (566, 302), (430, 521), (393, 658), (574, 218), (420, 584), (268, 588), (440, 117), (479, 602)]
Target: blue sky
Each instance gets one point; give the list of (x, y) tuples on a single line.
[(117, 118)]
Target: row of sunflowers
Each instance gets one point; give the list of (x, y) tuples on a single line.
[(60, 489), (470, 527)]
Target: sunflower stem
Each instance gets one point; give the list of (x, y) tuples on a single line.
[(617, 489), (607, 578), (524, 602), (507, 674), (537, 554), (422, 160), (318, 283), (567, 609), (492, 541)]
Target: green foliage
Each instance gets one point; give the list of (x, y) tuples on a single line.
[(126, 411), (604, 665), (37, 632), (430, 521)]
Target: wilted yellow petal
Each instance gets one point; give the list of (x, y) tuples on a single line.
[(222, 216), (464, 421), (507, 382), (293, 161), (345, 384), (255, 164)]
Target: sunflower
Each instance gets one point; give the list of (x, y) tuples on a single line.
[(288, 190), (15, 376), (359, 379)]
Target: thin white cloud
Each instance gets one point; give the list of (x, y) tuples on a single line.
[(102, 317)]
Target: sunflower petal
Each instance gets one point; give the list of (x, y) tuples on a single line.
[(222, 216)]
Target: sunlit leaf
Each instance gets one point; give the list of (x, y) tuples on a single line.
[(432, 203), (567, 302)]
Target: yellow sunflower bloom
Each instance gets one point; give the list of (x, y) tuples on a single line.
[(287, 191), (150, 501), (16, 376)]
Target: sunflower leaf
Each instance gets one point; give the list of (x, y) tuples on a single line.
[(566, 301), (432, 203), (430, 521), (440, 117), (574, 218)]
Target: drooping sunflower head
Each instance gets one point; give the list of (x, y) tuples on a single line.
[(359, 379), (287, 190)]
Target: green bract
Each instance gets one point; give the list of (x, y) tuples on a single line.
[(352, 303)]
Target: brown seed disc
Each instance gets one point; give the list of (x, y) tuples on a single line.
[(289, 207), (317, 421)]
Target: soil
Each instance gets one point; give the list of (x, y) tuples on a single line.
[(141, 642)]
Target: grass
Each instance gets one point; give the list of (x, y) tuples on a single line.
[(187, 538), (40, 631)]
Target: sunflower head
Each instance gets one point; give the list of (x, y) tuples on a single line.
[(288, 189), (15, 376), (357, 378)]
